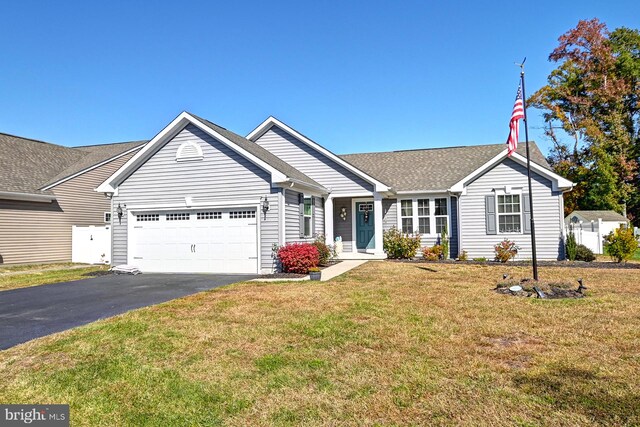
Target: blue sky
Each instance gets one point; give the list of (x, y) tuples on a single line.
[(354, 76)]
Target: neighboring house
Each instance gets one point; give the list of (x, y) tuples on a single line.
[(45, 189), (591, 227), (199, 198)]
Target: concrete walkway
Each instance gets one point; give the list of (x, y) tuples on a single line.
[(340, 268), (327, 273)]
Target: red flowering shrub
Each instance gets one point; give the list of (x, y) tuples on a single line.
[(298, 257)]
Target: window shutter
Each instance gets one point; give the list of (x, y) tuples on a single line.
[(490, 214), (526, 218), (301, 211), (313, 215)]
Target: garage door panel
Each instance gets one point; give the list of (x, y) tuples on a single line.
[(209, 241)]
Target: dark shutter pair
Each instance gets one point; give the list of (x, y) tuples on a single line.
[(491, 217)]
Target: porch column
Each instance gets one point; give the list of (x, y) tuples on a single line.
[(328, 220), (377, 223)]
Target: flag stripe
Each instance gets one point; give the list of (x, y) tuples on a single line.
[(514, 125)]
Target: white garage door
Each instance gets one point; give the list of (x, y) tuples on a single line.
[(195, 241)]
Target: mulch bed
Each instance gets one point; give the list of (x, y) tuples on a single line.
[(294, 275), (566, 264)]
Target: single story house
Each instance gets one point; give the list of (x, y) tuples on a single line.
[(45, 189), (597, 223), (200, 198)]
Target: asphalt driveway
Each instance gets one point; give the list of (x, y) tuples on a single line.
[(37, 311)]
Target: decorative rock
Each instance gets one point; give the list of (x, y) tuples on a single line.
[(515, 288)]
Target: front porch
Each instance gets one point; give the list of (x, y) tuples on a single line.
[(358, 223)]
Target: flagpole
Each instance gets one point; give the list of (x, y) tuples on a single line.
[(526, 135)]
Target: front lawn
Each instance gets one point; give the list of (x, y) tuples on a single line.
[(23, 276), (386, 344)]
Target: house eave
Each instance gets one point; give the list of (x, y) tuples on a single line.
[(27, 197)]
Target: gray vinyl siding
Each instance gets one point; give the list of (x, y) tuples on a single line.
[(343, 227), (312, 163), (222, 176), (292, 217), (41, 232), (546, 213), (318, 220), (389, 214)]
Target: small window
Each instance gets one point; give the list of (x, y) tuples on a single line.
[(190, 150), (107, 217), (178, 217), (209, 215), (509, 217), (308, 216), (148, 217), (406, 213), (441, 214), (242, 214), (363, 207), (424, 222)]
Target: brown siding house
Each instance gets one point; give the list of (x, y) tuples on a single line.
[(45, 189)]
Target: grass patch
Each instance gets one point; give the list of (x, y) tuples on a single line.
[(386, 344), (22, 277)]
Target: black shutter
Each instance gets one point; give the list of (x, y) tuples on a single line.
[(526, 209), (301, 210), (490, 214)]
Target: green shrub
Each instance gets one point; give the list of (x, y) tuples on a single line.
[(325, 252), (583, 253), (480, 259), (506, 250), (400, 245), (433, 253), (463, 256), (572, 246), (621, 244)]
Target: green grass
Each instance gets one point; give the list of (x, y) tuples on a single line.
[(386, 344), (22, 277)]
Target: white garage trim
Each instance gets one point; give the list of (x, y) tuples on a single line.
[(134, 210)]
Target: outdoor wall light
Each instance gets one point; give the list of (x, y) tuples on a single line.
[(265, 205), (119, 211), (343, 213)]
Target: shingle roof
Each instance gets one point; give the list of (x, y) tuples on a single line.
[(431, 169), (95, 154), (27, 165), (594, 215), (261, 153)]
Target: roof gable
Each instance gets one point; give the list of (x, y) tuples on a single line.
[(434, 169), (32, 167), (279, 170), (272, 121), (605, 215)]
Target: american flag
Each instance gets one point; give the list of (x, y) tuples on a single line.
[(514, 126)]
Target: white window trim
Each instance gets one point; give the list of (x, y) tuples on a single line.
[(310, 216), (432, 212), (105, 217), (507, 191)]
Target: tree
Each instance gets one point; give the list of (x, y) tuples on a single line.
[(593, 97)]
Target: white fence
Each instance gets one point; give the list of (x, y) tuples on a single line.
[(91, 245), (590, 239)]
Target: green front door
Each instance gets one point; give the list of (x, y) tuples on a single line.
[(364, 225)]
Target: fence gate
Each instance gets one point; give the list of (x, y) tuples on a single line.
[(91, 245)]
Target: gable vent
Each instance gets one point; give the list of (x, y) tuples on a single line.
[(189, 151)]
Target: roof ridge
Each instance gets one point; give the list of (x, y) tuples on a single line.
[(33, 139), (427, 149)]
